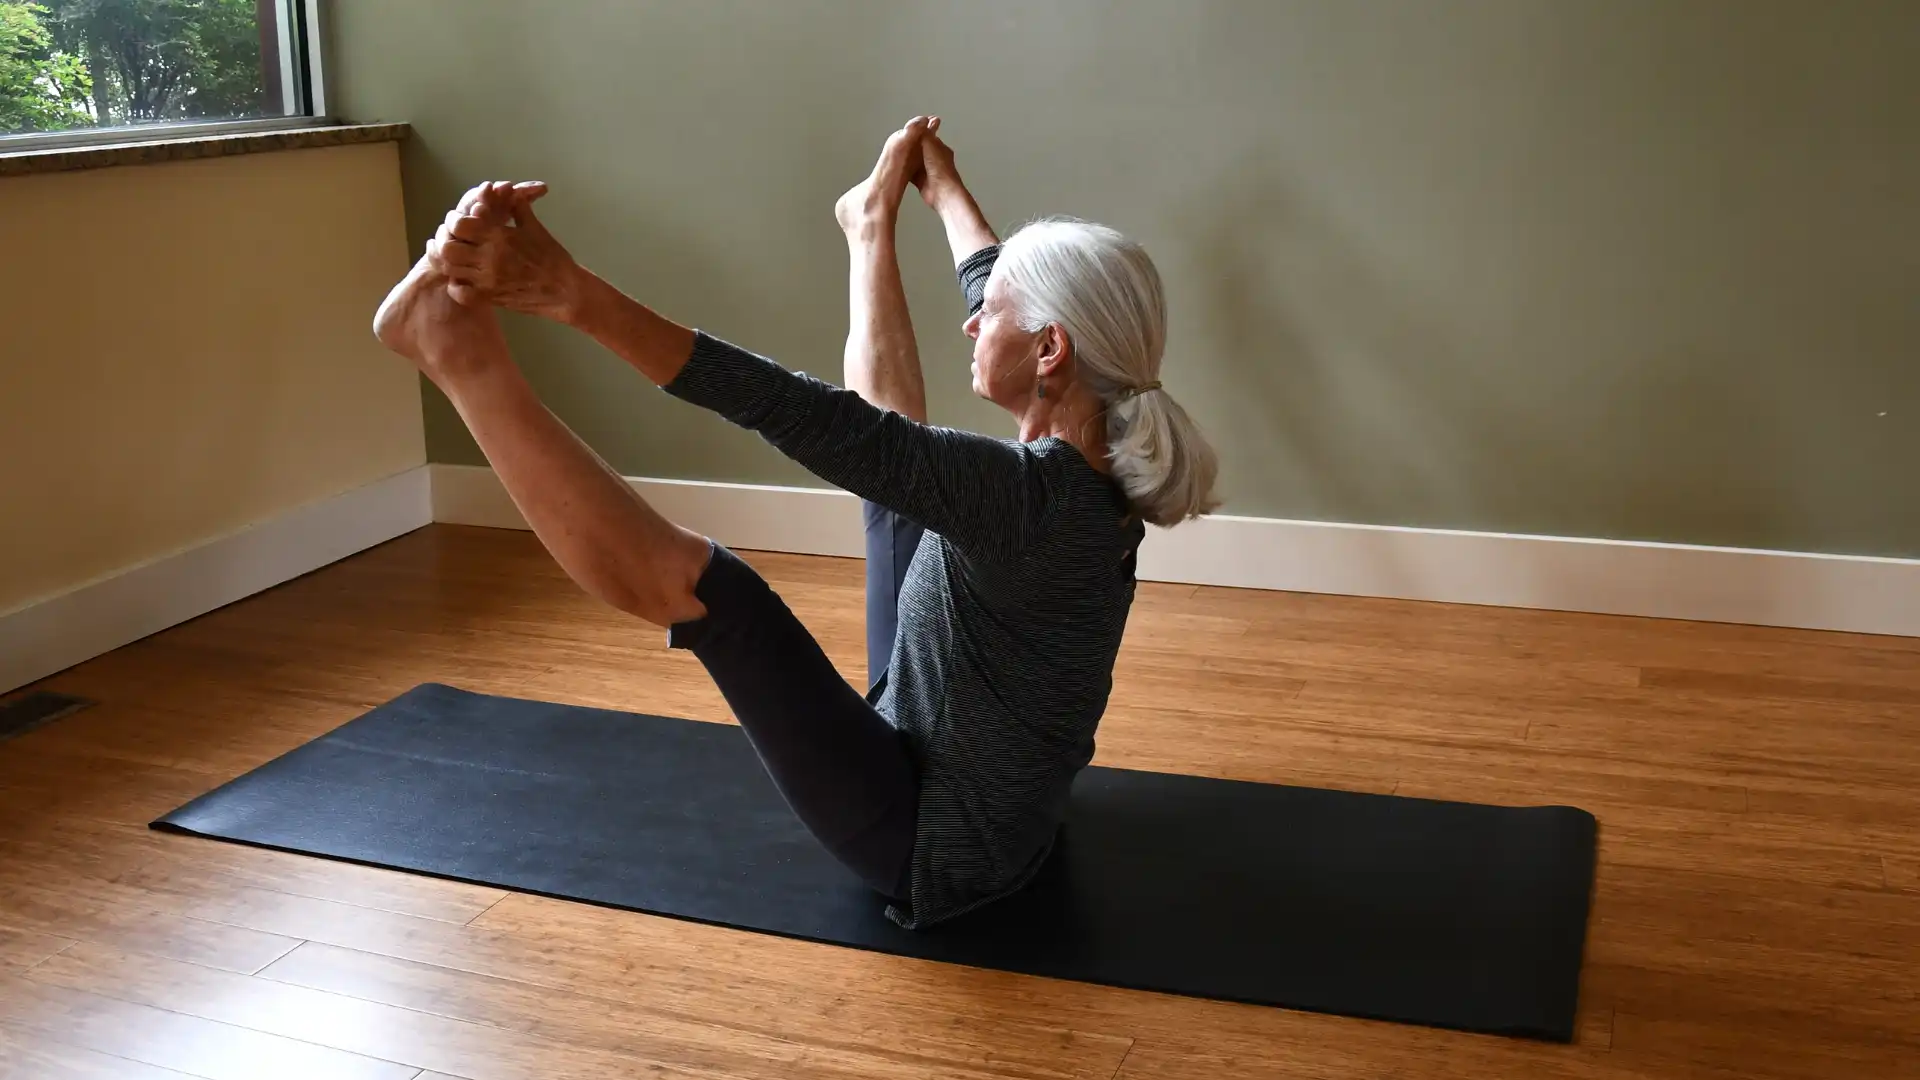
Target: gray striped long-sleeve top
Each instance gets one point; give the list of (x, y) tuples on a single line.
[(1011, 613)]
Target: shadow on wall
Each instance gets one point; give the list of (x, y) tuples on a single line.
[(1345, 398)]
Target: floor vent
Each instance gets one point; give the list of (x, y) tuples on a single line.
[(30, 711)]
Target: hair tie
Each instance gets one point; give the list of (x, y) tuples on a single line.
[(1136, 391)]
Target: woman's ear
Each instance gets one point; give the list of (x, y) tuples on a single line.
[(1056, 349)]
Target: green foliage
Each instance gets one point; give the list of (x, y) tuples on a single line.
[(129, 61), (41, 87)]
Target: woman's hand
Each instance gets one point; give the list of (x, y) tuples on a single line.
[(872, 207), (493, 250), (942, 190)]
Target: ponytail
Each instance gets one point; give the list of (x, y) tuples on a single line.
[(1160, 458)]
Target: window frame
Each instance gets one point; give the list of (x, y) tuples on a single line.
[(316, 114)]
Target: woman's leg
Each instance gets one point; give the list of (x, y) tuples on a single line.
[(619, 549), (891, 542), (839, 763)]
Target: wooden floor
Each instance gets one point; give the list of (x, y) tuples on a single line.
[(1757, 912)]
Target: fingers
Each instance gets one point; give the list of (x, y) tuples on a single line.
[(495, 200), (462, 273), (452, 254), (496, 205), (484, 200), (461, 261), (461, 234), (466, 228), (470, 199), (466, 295)]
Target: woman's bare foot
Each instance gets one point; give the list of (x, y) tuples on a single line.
[(873, 204), (443, 338)]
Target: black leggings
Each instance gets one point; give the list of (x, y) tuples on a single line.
[(840, 765)]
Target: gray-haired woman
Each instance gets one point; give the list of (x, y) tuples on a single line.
[(999, 571)]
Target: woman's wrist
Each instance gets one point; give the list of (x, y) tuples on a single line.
[(950, 198), (583, 298), (967, 228), (654, 344)]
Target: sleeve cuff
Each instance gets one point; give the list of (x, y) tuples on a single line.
[(740, 385), (973, 273)]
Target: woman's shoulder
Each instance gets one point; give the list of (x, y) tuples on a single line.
[(1078, 488), (1064, 460)]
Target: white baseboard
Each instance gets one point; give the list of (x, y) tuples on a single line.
[(751, 517), (1859, 594), (53, 634)]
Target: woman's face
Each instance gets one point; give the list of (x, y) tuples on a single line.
[(1005, 357)]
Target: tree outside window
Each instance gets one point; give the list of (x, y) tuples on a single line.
[(67, 64)]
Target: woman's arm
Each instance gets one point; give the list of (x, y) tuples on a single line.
[(941, 188), (882, 358), (988, 496)]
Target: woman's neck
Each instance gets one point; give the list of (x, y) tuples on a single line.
[(1079, 420)]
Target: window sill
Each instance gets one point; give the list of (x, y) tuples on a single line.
[(187, 147)]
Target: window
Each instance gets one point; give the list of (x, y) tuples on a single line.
[(82, 70)]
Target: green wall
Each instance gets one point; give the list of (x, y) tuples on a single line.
[(1638, 269)]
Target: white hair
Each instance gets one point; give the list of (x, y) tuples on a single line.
[(1103, 291)]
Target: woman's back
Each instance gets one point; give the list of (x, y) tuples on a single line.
[(1000, 673)]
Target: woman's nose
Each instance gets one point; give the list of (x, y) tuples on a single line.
[(971, 327)]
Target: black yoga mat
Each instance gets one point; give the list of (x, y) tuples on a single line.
[(1446, 914)]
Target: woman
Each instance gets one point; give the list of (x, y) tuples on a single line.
[(1000, 572)]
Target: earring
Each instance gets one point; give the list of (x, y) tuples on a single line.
[(1040, 388)]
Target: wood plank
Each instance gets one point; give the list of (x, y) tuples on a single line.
[(27, 1056), (83, 846), (1346, 662), (91, 785), (110, 852), (1683, 1045), (779, 985), (21, 949), (1673, 909), (661, 1033), (1759, 850), (1356, 1054), (297, 875), (1737, 985), (1900, 872), (1833, 745), (78, 909), (153, 1034), (217, 744), (1902, 687), (588, 968), (1855, 805), (211, 896), (1613, 790), (344, 1025)]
